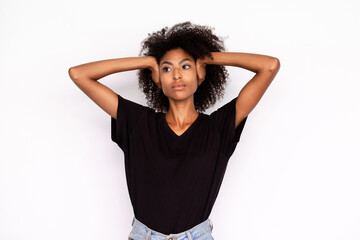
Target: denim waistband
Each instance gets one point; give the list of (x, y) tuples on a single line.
[(145, 232)]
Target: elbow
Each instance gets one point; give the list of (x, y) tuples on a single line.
[(73, 73), (274, 65)]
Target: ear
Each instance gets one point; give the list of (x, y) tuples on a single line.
[(199, 81), (156, 78), (200, 71), (158, 83), (200, 76)]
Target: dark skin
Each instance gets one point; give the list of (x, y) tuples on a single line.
[(178, 79), (181, 112)]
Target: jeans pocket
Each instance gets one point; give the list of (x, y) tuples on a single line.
[(205, 236), (136, 236)]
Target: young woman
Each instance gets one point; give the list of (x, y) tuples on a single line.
[(175, 155)]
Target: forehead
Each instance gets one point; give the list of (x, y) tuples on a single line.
[(176, 55)]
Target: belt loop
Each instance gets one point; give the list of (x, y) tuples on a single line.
[(132, 224), (189, 235), (211, 225), (148, 235)]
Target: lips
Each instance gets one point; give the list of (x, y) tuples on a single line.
[(178, 86)]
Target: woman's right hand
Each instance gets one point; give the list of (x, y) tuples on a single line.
[(154, 68)]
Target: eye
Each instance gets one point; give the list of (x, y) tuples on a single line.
[(166, 69), (186, 66)]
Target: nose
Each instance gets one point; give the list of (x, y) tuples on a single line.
[(176, 74)]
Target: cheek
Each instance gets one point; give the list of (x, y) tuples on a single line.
[(194, 79), (193, 86), (163, 79)]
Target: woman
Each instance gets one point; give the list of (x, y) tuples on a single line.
[(175, 155)]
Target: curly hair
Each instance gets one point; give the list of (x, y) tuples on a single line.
[(198, 41)]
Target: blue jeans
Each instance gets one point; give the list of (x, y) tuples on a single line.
[(202, 231)]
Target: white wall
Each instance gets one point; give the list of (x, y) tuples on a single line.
[(295, 172)]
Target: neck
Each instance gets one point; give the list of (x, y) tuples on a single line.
[(181, 113)]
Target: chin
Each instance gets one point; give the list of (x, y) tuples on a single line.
[(180, 95)]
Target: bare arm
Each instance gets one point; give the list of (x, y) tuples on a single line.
[(265, 67), (86, 77)]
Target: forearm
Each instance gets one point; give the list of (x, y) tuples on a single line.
[(253, 62), (100, 69)]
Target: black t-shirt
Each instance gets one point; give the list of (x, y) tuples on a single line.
[(173, 181)]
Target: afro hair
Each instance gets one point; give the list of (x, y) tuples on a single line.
[(198, 41)]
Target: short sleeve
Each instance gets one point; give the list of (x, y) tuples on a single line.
[(224, 118), (127, 116)]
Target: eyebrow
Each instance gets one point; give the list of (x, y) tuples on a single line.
[(185, 59)]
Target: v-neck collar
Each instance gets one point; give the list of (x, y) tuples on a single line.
[(189, 129)]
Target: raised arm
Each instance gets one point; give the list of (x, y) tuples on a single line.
[(265, 67), (86, 77)]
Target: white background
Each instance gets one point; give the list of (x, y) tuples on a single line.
[(294, 174)]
